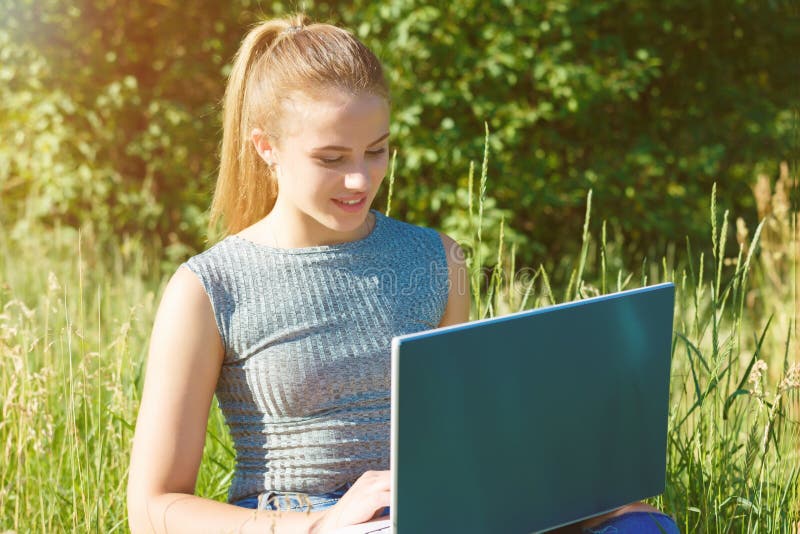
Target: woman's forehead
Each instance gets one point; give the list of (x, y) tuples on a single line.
[(336, 119)]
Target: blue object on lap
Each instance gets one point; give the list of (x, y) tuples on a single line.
[(636, 523)]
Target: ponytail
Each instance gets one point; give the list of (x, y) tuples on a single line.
[(275, 58)]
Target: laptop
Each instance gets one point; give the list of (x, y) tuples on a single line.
[(530, 421)]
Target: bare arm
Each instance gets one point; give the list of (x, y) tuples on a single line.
[(458, 300), (182, 370)]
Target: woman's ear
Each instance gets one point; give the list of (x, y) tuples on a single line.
[(263, 146)]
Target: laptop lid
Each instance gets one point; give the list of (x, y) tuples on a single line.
[(533, 420)]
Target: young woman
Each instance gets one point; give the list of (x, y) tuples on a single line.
[(290, 317)]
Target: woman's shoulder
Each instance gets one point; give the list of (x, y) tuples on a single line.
[(406, 233), (218, 262), (401, 230)]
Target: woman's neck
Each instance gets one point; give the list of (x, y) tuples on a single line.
[(283, 228)]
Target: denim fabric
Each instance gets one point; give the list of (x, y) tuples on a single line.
[(294, 502), (636, 523), (629, 523)]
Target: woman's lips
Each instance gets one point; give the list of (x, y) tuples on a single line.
[(351, 208)]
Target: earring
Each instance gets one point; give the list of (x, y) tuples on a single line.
[(270, 159)]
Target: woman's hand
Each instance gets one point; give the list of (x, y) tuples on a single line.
[(369, 494)]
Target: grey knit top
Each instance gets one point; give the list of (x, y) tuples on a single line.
[(304, 384)]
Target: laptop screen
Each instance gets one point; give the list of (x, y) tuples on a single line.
[(530, 421)]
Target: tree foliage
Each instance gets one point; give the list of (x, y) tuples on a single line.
[(109, 110), (646, 103)]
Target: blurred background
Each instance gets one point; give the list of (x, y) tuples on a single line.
[(110, 112)]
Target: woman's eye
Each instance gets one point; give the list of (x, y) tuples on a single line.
[(331, 160)]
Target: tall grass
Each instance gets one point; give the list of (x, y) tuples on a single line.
[(75, 321), (74, 327), (734, 423)]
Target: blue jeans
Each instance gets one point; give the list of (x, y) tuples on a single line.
[(293, 502), (296, 502), (629, 523)]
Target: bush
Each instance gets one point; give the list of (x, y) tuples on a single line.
[(647, 103), (111, 112)]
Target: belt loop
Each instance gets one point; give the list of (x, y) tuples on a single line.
[(265, 499)]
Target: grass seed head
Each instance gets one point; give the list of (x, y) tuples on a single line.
[(792, 378), (754, 379)]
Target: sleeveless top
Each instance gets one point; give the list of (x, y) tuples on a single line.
[(305, 381)]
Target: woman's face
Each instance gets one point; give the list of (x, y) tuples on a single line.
[(330, 161)]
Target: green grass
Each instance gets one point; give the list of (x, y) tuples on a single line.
[(75, 321)]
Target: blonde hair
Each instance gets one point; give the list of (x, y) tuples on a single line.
[(279, 58)]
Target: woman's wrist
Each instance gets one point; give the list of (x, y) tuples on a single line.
[(325, 521), (318, 524)]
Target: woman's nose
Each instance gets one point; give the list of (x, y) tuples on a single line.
[(357, 179)]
